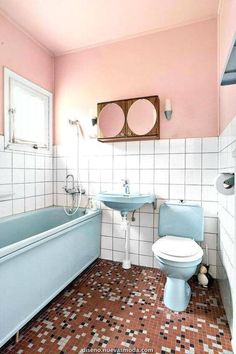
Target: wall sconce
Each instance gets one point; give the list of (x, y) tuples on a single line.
[(168, 109), (94, 120)]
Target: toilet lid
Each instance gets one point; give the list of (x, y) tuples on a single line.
[(177, 246)]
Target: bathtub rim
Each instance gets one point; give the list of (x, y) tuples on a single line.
[(10, 250)]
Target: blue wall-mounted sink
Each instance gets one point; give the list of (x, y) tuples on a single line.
[(125, 202)]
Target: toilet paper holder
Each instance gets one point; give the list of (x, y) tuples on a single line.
[(229, 182), (224, 183)]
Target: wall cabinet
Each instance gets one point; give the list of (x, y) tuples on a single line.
[(129, 119)]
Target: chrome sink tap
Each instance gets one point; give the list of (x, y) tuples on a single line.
[(126, 186)]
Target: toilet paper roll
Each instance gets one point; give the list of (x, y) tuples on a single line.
[(221, 187)]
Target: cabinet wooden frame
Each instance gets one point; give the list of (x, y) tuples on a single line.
[(126, 134)]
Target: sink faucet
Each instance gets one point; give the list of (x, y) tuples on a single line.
[(126, 186)]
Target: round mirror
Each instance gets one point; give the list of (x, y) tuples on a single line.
[(111, 120), (141, 117)]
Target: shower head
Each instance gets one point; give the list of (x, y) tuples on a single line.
[(77, 123), (74, 122)]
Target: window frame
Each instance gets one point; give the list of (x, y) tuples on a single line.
[(8, 144)]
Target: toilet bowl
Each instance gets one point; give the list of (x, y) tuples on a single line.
[(177, 251), (178, 258)]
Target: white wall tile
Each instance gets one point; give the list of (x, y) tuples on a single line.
[(118, 256), (29, 176), (177, 146), (119, 162), (211, 225), (106, 242), (5, 176), (209, 193), (134, 232), (18, 206), (146, 161), (40, 162), (162, 146), (106, 254), (193, 145), (210, 144), (193, 176), (119, 244), (162, 191), (29, 203), (177, 161), (193, 161), (18, 175), (18, 191), (133, 148), (29, 161), (146, 234), (5, 208), (39, 202), (146, 176), (145, 248), (161, 161), (193, 192), (177, 176), (161, 176), (210, 160), (5, 160), (133, 177), (134, 246), (119, 148), (146, 261), (106, 229), (146, 219), (208, 176), (147, 147), (177, 191), (132, 161)]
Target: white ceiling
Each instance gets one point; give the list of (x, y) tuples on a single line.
[(66, 25)]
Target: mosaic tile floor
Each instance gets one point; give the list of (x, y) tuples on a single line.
[(109, 309)]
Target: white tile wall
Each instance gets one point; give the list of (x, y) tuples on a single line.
[(28, 177), (172, 169), (226, 243)]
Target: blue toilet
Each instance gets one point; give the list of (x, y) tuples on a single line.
[(177, 252)]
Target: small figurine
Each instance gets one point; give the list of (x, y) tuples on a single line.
[(204, 277)]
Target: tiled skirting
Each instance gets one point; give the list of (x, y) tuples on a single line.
[(172, 169)]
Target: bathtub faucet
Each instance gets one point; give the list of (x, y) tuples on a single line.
[(73, 189)]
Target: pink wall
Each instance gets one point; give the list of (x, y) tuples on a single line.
[(179, 64), (22, 55), (227, 31)]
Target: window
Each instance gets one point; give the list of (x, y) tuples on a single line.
[(28, 114)]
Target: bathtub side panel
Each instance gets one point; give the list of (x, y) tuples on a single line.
[(31, 279)]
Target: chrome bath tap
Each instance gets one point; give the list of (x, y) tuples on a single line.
[(71, 190)]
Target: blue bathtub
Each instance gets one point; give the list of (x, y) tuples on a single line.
[(41, 252)]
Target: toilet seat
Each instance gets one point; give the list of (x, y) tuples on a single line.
[(177, 249)]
